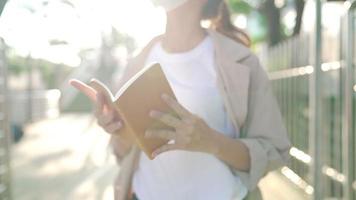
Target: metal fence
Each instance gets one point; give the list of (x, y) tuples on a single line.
[(291, 66), (5, 192)]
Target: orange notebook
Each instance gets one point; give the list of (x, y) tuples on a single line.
[(136, 99)]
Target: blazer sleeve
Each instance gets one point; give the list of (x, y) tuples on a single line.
[(264, 132)]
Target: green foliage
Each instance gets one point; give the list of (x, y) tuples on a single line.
[(261, 15), (81, 103), (258, 24), (119, 38), (47, 72), (260, 31), (16, 64), (240, 6)]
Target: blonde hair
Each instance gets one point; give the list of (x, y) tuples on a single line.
[(218, 13)]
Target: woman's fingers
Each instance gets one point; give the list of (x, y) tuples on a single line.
[(179, 109), (104, 120), (99, 108), (113, 127), (166, 118), (100, 87), (86, 89), (164, 134), (164, 148), (102, 98)]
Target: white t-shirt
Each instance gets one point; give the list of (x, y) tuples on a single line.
[(184, 175)]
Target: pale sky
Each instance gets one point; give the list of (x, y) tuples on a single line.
[(27, 25)]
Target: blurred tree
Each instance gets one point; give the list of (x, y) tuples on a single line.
[(123, 39), (272, 14), (299, 7), (240, 6)]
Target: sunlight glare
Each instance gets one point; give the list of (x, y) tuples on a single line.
[(29, 32)]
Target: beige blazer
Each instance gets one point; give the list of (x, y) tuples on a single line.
[(249, 101)]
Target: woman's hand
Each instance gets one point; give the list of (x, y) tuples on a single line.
[(107, 116), (191, 132)]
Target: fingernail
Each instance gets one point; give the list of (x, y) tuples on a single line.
[(154, 154), (147, 133)]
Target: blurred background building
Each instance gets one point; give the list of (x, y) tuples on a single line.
[(51, 148)]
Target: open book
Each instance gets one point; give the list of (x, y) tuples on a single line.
[(137, 97)]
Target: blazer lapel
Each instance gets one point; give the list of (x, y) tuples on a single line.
[(238, 90), (233, 76)]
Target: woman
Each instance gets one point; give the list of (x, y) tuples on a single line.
[(229, 132)]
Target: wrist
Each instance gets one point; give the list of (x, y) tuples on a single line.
[(214, 146), (124, 142)]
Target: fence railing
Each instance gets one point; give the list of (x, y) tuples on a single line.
[(290, 67), (5, 191)]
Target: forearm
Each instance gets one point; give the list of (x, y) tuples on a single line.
[(232, 151)]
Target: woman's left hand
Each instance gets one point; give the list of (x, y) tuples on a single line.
[(190, 132)]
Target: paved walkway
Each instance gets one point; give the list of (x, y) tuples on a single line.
[(64, 158), (67, 158)]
